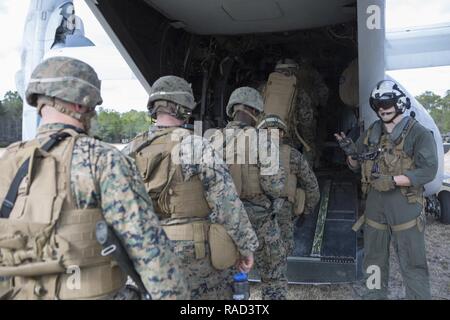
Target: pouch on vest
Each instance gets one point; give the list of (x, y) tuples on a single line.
[(300, 198), (25, 246), (245, 176), (157, 174), (164, 181), (279, 95), (223, 250)]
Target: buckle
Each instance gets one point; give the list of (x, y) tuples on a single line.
[(8, 204)]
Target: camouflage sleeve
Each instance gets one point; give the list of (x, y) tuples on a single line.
[(128, 209), (306, 178), (273, 174), (220, 192)]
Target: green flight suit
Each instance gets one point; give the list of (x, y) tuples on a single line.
[(389, 210)]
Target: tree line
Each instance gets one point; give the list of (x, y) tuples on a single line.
[(439, 109), (116, 127), (10, 118), (109, 125)]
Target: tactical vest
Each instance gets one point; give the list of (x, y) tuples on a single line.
[(172, 196), (48, 245), (175, 198), (246, 176), (392, 160)]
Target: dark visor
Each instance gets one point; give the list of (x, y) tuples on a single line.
[(384, 103)]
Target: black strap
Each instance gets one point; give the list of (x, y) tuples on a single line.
[(11, 196)]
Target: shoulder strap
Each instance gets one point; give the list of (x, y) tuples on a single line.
[(11, 196), (148, 142), (405, 132), (374, 131)]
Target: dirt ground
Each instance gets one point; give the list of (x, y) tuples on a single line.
[(438, 254), (437, 238)]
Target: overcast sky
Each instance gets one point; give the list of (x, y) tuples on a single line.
[(122, 94)]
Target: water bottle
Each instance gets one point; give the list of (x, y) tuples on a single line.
[(241, 290)]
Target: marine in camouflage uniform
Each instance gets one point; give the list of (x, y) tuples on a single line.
[(257, 192), (302, 176), (312, 94), (208, 196), (397, 157), (101, 179)]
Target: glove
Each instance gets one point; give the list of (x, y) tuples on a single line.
[(348, 146), (382, 182)]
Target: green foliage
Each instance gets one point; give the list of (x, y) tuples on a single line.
[(438, 107), (114, 127), (11, 105), (10, 118)]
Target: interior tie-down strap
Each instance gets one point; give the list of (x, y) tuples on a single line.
[(11, 196)]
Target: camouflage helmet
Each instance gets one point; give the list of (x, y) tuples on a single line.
[(65, 78), (272, 121), (174, 89), (284, 64), (246, 96)]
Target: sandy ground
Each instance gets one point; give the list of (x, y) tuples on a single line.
[(438, 254)]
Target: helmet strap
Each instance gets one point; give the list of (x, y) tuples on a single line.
[(172, 109), (63, 107), (244, 110), (397, 113)]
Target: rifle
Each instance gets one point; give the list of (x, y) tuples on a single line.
[(367, 155), (111, 245)]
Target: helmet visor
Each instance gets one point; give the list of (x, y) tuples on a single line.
[(385, 103)]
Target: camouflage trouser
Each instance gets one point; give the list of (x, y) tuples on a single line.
[(270, 258), (307, 125), (205, 282), (285, 219), (129, 292), (392, 208)]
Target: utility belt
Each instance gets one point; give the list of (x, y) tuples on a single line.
[(223, 251), (82, 284), (419, 222)]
